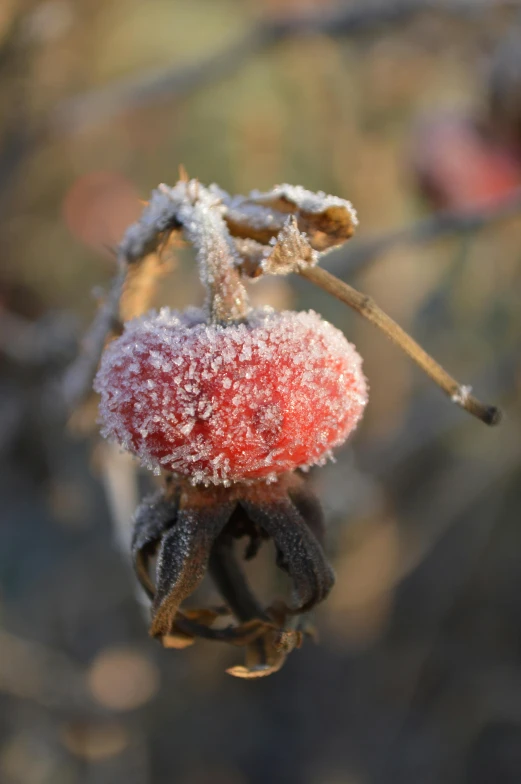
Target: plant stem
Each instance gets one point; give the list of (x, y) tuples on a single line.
[(204, 227)]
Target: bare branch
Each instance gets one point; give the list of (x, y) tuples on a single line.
[(134, 92), (78, 379)]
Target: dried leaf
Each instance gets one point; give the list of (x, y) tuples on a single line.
[(328, 221)]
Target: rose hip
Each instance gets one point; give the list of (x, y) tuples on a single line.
[(222, 404)]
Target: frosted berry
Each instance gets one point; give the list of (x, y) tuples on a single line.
[(231, 403)]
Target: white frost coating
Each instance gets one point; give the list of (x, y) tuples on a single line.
[(462, 395), (255, 209), (291, 251), (184, 204), (241, 402), (307, 201)]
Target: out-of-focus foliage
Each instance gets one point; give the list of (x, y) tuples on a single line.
[(416, 678)]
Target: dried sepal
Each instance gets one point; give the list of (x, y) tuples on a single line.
[(264, 633), (284, 635), (328, 221), (268, 655), (304, 498), (155, 515), (183, 558), (188, 625), (299, 551), (192, 528)]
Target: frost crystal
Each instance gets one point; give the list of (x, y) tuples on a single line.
[(461, 396), (291, 250)]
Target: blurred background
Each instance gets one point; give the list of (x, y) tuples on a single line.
[(410, 109)]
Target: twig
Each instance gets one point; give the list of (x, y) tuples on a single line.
[(78, 379), (435, 227), (367, 308), (100, 105)]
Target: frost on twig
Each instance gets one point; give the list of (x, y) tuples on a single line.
[(157, 219), (461, 396), (201, 216)]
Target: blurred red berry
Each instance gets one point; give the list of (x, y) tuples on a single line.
[(459, 167), (98, 207)]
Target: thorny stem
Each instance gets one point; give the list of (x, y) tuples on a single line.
[(367, 308), (206, 230), (227, 298)]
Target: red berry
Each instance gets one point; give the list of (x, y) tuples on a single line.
[(230, 403)]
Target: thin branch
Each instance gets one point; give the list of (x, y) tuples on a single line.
[(78, 379), (367, 308), (129, 295), (100, 105), (134, 92), (430, 229)]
